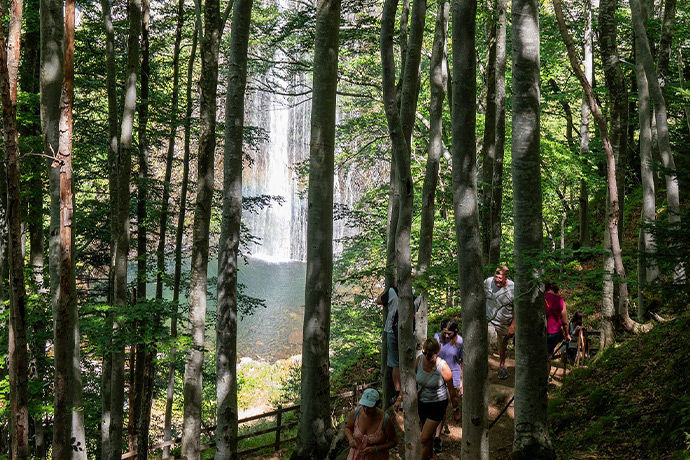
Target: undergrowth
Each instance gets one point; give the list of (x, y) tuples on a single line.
[(632, 403)]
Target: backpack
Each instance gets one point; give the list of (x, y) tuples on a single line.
[(414, 317)]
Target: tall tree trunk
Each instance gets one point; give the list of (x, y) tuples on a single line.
[(681, 83), (52, 30), (121, 229), (172, 136), (496, 200), (391, 278), (167, 430), (615, 82), (613, 208), (664, 51), (226, 323), (647, 270), (489, 141), (645, 55), (439, 83), (400, 123), (112, 186), (583, 196), (18, 350), (475, 415), (314, 431), (69, 442), (146, 352), (531, 432), (202, 219)]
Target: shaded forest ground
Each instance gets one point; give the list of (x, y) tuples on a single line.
[(632, 403)]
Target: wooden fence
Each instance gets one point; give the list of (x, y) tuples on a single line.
[(352, 395)]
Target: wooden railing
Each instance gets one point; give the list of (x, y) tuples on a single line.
[(353, 395)]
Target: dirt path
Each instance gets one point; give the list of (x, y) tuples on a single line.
[(501, 434)]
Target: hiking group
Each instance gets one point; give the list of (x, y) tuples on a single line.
[(439, 368)]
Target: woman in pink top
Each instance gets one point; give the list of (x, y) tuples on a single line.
[(556, 320)]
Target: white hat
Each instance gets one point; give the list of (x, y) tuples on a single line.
[(369, 397)]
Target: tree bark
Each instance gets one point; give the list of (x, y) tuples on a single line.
[(475, 415), (613, 208), (531, 432), (583, 195), (489, 141), (314, 431), (496, 201), (112, 146), (439, 83), (18, 350), (645, 55), (51, 74), (167, 430), (226, 322), (400, 122), (70, 442), (647, 270), (200, 240), (121, 230), (145, 352), (664, 51)]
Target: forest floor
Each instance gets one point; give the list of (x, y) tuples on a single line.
[(630, 403), (501, 434)]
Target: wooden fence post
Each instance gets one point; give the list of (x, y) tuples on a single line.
[(278, 424)]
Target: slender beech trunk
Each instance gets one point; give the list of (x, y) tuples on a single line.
[(172, 136), (645, 55), (18, 350), (200, 241), (489, 140), (615, 82), (681, 83), (400, 122), (439, 83), (475, 415), (314, 431), (145, 352), (664, 50), (170, 393), (531, 439), (226, 323), (112, 186), (583, 195), (121, 230), (647, 270), (51, 74), (393, 213), (496, 201), (610, 173)]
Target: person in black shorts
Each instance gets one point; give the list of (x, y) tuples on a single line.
[(434, 385)]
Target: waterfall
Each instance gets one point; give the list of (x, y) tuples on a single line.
[(282, 229)]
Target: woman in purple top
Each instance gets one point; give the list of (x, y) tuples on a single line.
[(451, 353), (556, 321)]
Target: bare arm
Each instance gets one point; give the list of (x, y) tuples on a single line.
[(349, 429), (448, 377)]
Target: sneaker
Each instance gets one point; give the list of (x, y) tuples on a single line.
[(502, 373), (438, 445)]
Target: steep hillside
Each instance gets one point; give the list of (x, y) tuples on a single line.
[(632, 403)]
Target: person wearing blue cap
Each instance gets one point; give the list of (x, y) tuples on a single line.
[(370, 434)]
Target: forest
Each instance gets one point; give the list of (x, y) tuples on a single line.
[(200, 202)]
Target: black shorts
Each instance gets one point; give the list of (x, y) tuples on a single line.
[(435, 411), (552, 341)]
